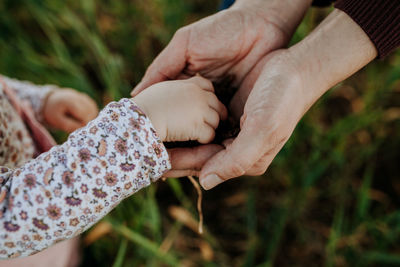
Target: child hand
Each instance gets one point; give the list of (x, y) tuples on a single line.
[(183, 110), (69, 110)]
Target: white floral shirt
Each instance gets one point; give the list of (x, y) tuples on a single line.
[(64, 191)]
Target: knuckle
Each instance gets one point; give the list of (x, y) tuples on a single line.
[(180, 32), (194, 88), (203, 108), (254, 121), (259, 171), (211, 96), (197, 89), (237, 169), (278, 138)]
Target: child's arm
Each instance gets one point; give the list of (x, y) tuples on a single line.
[(66, 190), (64, 109), (34, 94)]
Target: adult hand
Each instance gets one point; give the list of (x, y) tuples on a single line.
[(229, 43), (289, 82), (273, 107), (189, 161)]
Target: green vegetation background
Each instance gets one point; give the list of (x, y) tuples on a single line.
[(330, 198)]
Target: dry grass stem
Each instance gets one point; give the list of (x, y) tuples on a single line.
[(199, 201), (184, 216), (100, 230)]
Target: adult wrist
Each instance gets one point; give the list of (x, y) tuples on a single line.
[(285, 14), (335, 50)]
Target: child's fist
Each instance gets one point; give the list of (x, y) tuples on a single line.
[(183, 110), (69, 110)]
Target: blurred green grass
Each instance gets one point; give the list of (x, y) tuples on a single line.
[(330, 198)]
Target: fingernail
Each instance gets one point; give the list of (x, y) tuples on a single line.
[(210, 181)]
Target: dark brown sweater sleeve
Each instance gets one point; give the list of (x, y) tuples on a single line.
[(322, 3), (380, 19)]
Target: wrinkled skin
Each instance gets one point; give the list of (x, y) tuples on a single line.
[(229, 43), (274, 102), (281, 88)]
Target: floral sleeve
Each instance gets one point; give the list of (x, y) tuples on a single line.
[(64, 191), (34, 94)]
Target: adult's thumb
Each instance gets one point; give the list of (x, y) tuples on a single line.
[(235, 160), (167, 65)]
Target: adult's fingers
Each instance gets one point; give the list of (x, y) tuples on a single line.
[(236, 159), (261, 166), (181, 173), (189, 161), (183, 76), (168, 64), (240, 97)]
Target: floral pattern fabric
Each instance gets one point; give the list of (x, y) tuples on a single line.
[(16, 144), (32, 93), (64, 191)]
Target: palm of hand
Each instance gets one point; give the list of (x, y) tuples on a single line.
[(228, 43), (274, 101)]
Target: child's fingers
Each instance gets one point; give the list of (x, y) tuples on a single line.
[(203, 83), (212, 118), (91, 107), (206, 134), (76, 110), (214, 103), (83, 111), (91, 113), (69, 125)]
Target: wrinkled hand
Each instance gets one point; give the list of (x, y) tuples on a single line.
[(229, 43), (273, 108), (183, 110), (286, 84), (189, 161), (68, 110)]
